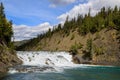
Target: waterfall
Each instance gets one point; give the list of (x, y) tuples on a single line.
[(43, 61), (39, 58)]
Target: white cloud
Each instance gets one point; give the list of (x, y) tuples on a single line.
[(22, 32), (60, 2), (94, 5)]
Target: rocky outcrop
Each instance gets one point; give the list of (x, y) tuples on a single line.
[(8, 58)]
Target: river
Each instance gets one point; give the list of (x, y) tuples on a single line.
[(43, 65)]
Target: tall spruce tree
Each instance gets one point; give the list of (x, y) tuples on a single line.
[(5, 27)]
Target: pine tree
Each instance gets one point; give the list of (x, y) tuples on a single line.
[(5, 27)]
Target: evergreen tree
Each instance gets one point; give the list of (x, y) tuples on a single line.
[(5, 27)]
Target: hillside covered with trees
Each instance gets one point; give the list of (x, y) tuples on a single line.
[(93, 39), (8, 56)]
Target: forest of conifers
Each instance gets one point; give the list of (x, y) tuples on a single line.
[(105, 18)]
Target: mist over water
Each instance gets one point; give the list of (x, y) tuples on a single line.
[(43, 65)]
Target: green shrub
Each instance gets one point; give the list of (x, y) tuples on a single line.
[(80, 46), (99, 50), (72, 37), (89, 45), (75, 47), (88, 51)]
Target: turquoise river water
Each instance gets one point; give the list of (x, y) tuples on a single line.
[(43, 65), (84, 73)]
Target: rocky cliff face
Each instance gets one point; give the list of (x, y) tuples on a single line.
[(8, 58)]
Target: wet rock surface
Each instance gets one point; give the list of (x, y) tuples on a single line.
[(30, 69)]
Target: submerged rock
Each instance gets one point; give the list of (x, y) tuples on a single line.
[(31, 69), (49, 62)]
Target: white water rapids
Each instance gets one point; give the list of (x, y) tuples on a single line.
[(44, 61), (46, 58)]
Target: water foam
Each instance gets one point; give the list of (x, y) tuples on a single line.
[(42, 61), (46, 58)]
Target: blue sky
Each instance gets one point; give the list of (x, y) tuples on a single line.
[(34, 12), (33, 17)]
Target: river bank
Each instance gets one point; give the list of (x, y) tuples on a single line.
[(78, 59)]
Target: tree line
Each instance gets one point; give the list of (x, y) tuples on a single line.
[(105, 18)]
